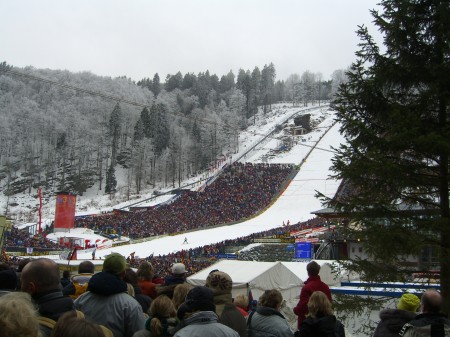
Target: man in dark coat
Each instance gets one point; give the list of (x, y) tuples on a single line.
[(221, 284), (312, 284), (177, 277), (40, 278), (393, 320), (431, 322)]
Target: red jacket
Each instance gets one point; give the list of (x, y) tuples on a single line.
[(312, 284)]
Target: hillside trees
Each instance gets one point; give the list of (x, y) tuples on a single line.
[(68, 139), (394, 112)]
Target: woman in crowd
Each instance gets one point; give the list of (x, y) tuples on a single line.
[(162, 321), (145, 275), (267, 319), (72, 325), (241, 302), (18, 316), (179, 294), (135, 291), (320, 321)]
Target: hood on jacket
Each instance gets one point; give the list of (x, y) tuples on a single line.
[(105, 283), (202, 317), (322, 325)]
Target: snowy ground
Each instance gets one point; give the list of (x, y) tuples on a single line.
[(295, 204)]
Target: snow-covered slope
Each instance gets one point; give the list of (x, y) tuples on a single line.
[(295, 204)]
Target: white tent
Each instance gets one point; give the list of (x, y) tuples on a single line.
[(254, 276)]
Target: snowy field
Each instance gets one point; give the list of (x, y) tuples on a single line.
[(295, 204)]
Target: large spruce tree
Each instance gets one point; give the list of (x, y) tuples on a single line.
[(394, 112)]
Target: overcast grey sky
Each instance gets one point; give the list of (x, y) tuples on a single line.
[(137, 38)]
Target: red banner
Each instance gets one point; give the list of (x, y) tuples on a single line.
[(65, 211)]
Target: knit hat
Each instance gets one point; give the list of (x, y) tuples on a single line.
[(178, 269), (114, 263), (197, 299), (219, 282), (408, 302)]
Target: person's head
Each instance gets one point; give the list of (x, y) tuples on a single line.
[(70, 325), (219, 282), (179, 294), (271, 298), (115, 264), (40, 276), (179, 270), (408, 302), (66, 273), (431, 302), (130, 276), (161, 307), (319, 304), (86, 267), (197, 299), (145, 271), (22, 264), (313, 268), (18, 316), (241, 301)]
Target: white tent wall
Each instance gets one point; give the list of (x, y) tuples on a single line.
[(254, 276)]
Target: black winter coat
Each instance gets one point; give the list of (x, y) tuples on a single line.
[(392, 322), (321, 326)]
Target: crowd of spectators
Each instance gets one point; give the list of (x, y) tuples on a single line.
[(199, 258), (240, 192), (21, 238)]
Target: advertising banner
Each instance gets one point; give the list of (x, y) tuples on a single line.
[(65, 211)]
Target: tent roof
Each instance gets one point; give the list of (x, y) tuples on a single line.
[(256, 275)]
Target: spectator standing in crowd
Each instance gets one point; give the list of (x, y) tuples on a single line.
[(18, 316), (144, 300), (162, 321), (40, 278), (79, 283), (320, 321), (178, 276), (198, 317), (65, 280), (71, 325), (106, 301), (179, 294), (241, 302), (221, 285), (393, 320), (312, 284), (267, 319), (145, 274), (431, 322)]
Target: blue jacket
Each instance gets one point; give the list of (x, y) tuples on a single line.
[(202, 324)]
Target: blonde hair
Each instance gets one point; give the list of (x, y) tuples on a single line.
[(241, 301), (270, 298), (319, 304), (18, 316), (179, 294), (161, 307), (130, 290), (145, 271)]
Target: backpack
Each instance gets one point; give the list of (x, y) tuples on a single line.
[(80, 289)]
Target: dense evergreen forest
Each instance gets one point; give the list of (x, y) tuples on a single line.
[(58, 133)]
